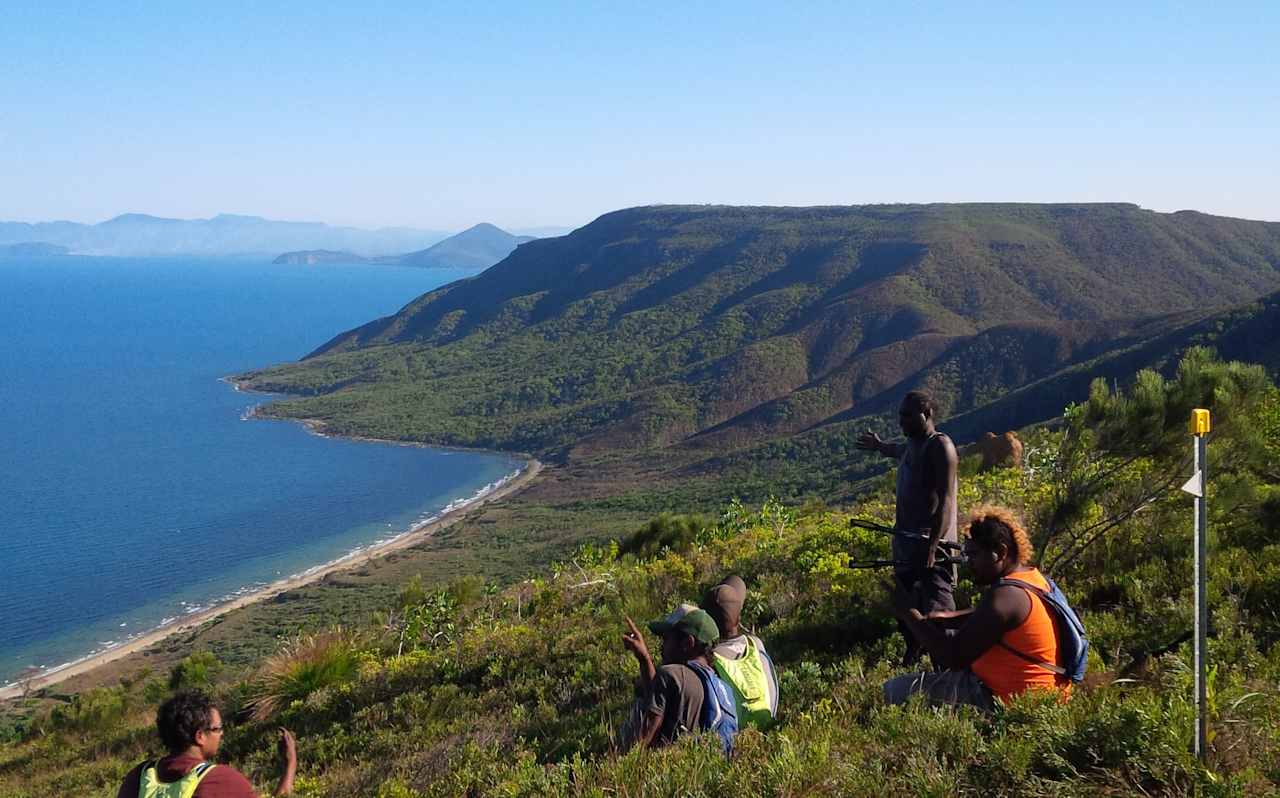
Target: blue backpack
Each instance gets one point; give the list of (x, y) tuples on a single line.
[(1073, 646), (718, 712)]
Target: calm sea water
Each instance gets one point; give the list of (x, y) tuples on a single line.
[(131, 489)]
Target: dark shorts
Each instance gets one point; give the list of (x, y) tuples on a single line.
[(932, 588)]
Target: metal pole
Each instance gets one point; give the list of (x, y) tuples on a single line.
[(1202, 608), (1197, 486)]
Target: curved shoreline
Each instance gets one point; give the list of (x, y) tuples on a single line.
[(405, 540)]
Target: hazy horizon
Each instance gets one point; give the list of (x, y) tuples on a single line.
[(527, 117), (548, 229), (555, 230)]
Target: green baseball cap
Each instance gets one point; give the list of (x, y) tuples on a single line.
[(689, 619)]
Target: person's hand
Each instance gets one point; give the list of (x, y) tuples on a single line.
[(869, 441), (931, 556), (633, 641), (287, 747)]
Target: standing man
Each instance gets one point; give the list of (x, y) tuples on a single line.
[(926, 506)]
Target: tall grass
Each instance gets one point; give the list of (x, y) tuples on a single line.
[(307, 665)]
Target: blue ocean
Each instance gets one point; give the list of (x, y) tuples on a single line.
[(133, 490)]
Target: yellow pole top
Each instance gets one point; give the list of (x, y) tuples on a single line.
[(1199, 422)]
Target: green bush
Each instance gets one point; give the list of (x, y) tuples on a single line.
[(197, 671)]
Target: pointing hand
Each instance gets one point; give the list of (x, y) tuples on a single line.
[(869, 441)]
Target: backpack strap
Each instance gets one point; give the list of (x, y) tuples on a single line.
[(710, 715), (1044, 597)]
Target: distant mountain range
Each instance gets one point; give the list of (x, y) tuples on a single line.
[(723, 329), (139, 235)]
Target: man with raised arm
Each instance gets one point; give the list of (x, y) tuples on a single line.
[(190, 727), (926, 507), (670, 698)]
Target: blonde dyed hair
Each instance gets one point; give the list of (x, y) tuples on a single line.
[(990, 524)]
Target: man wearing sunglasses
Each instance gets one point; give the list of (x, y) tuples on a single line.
[(190, 727)]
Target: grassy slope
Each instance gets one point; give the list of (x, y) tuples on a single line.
[(520, 692)]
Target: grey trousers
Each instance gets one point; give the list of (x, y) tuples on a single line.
[(940, 688)]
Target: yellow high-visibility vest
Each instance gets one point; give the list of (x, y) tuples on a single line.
[(150, 786)]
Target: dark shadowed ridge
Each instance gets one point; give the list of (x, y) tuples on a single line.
[(719, 327)]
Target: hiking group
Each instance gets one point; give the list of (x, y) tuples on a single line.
[(716, 677), (1021, 635)]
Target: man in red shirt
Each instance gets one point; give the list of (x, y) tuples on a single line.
[(190, 727)]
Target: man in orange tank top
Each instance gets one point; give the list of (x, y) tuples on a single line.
[(1004, 646)]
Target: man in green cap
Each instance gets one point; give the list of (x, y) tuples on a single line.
[(669, 699)]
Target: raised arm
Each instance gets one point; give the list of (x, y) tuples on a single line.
[(870, 442), (287, 747), (633, 642), (949, 619)]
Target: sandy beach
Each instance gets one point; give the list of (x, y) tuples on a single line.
[(406, 540)]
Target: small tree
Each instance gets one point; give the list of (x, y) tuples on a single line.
[(27, 679), (1124, 452), (197, 671)]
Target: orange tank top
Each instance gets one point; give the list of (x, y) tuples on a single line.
[(1005, 673)]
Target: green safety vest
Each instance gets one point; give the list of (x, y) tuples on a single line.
[(750, 684), (150, 786)]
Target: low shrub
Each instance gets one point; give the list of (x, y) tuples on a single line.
[(307, 665)]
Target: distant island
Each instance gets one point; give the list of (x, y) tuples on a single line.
[(138, 235), (478, 247), (309, 257), (32, 249)]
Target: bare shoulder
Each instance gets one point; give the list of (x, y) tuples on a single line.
[(946, 444), (942, 450), (1009, 602)]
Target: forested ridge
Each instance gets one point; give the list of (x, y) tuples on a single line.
[(722, 326)]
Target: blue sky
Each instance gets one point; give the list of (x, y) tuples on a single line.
[(439, 116)]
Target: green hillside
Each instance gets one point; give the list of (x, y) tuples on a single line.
[(976, 378), (465, 689), (722, 326)]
